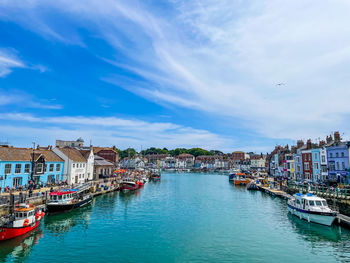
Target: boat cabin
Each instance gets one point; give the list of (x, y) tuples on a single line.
[(309, 202), (61, 197), (23, 215)]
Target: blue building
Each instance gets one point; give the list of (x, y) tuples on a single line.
[(338, 162), (16, 166), (316, 165)]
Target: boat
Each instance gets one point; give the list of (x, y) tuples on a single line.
[(128, 184), (22, 220), (252, 186), (311, 208), (69, 199), (144, 179), (239, 178)]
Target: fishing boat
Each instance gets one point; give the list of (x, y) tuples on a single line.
[(128, 184), (311, 208), (24, 219), (239, 179), (69, 199)]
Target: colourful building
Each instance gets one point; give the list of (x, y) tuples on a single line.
[(18, 166)]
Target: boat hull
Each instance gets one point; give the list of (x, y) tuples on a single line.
[(58, 208), (326, 219), (8, 233), (241, 182), (127, 187)]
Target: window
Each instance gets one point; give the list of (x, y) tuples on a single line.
[(39, 168), (324, 203), (16, 181), (343, 165), (18, 168), (323, 158), (8, 168), (306, 166), (316, 166), (331, 155), (311, 203), (336, 154), (45, 168), (51, 167), (315, 156), (27, 168), (331, 166), (73, 165), (338, 168), (318, 203), (58, 167), (83, 164), (342, 154)]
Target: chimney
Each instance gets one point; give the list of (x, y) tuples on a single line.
[(300, 144), (337, 136), (308, 144), (322, 143)]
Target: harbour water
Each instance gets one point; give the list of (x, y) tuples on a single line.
[(182, 218)]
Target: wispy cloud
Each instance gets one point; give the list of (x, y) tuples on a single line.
[(109, 131), (8, 61), (225, 57), (25, 100)]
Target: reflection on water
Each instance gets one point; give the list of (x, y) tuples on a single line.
[(314, 232), (20, 247), (63, 222)]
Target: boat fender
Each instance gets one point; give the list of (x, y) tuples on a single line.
[(26, 221)]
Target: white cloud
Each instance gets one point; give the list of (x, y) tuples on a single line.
[(226, 57), (108, 131), (8, 61), (25, 100)]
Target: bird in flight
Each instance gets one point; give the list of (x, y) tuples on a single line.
[(280, 84)]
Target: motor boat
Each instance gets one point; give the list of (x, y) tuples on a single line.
[(311, 208)]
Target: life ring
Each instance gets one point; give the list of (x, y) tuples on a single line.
[(26, 222)]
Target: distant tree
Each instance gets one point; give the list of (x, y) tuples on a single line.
[(127, 152)]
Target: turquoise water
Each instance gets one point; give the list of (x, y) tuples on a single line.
[(183, 218)]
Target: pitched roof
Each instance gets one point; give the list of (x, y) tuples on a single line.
[(98, 149), (73, 154), (25, 154), (50, 156), (85, 153), (101, 161), (15, 154)]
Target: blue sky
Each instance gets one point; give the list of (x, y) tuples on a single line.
[(174, 73)]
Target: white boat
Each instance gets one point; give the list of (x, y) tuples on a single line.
[(144, 179), (311, 208)]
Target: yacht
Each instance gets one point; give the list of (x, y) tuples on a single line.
[(311, 208)]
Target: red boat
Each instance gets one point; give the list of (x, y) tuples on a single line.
[(23, 220), (128, 185)]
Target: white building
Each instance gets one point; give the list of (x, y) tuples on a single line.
[(90, 160), (185, 161), (75, 165)]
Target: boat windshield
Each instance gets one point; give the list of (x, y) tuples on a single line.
[(311, 203), (324, 203), (318, 203)]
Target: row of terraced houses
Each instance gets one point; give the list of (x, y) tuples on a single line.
[(324, 162), (239, 160), (70, 162)]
